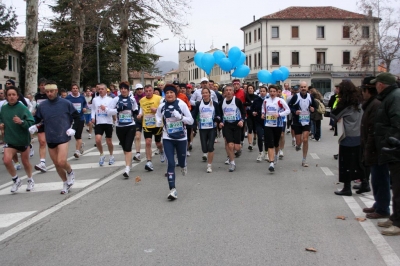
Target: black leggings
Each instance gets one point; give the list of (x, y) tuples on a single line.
[(260, 136), (126, 135), (272, 136), (207, 138)]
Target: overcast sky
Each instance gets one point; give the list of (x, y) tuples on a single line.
[(211, 22)]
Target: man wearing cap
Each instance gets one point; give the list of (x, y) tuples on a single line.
[(387, 124), (56, 113), (196, 96), (147, 113)]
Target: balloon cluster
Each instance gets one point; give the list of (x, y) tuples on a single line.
[(234, 61), (280, 74)]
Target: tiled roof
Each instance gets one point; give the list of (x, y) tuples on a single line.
[(17, 43), (313, 12), (174, 71), (133, 74)]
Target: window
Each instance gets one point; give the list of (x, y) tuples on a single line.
[(246, 38), (346, 58), (17, 65), (320, 32), (275, 58), (259, 33), (346, 32), (365, 58), (365, 31), (275, 32), (10, 65), (255, 35), (249, 61), (295, 58), (259, 60), (249, 37), (320, 57), (295, 32), (255, 61)]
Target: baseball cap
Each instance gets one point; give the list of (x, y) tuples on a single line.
[(367, 81), (385, 78), (139, 86), (189, 86), (203, 79), (175, 82), (296, 88)]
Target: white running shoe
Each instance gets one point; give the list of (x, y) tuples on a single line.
[(260, 157), (31, 152), (156, 152), (16, 185), (162, 157), (271, 167), (65, 188), (227, 161), (173, 195), (266, 158), (81, 150), (281, 154), (137, 158), (41, 167), (188, 153), (30, 185), (89, 136), (232, 167), (101, 161), (184, 170), (77, 154), (17, 166), (111, 161), (276, 159), (209, 169), (293, 142), (70, 178), (126, 173), (204, 157), (149, 166)]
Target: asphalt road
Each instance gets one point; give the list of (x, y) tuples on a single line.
[(248, 217)]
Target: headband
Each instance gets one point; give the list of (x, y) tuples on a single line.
[(50, 87)]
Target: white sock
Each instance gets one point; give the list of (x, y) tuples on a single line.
[(127, 169)]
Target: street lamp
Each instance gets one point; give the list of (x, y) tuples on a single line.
[(142, 74)]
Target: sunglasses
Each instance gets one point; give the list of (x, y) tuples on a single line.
[(139, 89), (8, 83)]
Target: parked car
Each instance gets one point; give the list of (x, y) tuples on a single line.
[(327, 96)]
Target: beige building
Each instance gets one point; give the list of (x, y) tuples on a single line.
[(13, 68)]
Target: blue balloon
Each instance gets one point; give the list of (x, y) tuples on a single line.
[(197, 59), (207, 62), (241, 71), (277, 75), (225, 64), (285, 72), (218, 55), (264, 76), (240, 61), (234, 54)]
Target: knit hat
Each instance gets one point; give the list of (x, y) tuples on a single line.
[(170, 88), (11, 81)]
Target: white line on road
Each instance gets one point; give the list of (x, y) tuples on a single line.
[(314, 155), (94, 165), (369, 202), (386, 251), (326, 171), (11, 218)]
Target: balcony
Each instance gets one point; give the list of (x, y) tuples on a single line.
[(321, 68)]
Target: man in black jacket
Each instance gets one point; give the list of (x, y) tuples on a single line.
[(387, 124)]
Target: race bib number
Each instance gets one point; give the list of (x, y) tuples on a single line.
[(149, 120), (304, 118), (78, 107), (173, 125), (230, 116), (40, 101), (101, 112), (125, 116), (270, 119), (206, 120)]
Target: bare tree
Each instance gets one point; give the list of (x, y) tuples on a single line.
[(32, 46), (378, 35)]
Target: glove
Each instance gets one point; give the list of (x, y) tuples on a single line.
[(70, 132), (176, 114), (33, 129)]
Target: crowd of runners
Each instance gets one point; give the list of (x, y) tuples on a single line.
[(173, 114)]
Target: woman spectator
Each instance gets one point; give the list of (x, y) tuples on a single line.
[(347, 115), (316, 117)]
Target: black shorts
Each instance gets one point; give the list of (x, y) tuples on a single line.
[(79, 129), (40, 129), (139, 127), (149, 132), (18, 148), (298, 130), (100, 129), (272, 136), (126, 135), (54, 145), (232, 133), (250, 125)]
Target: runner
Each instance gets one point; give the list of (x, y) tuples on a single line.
[(55, 114), (103, 121), (259, 122), (250, 97), (79, 102), (284, 119), (148, 109), (15, 119), (125, 108), (274, 111), (301, 105), (174, 114), (87, 113), (182, 95), (208, 114), (233, 114), (139, 94)]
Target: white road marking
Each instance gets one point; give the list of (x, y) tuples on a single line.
[(96, 153), (369, 201), (314, 155), (11, 218), (327, 171), (94, 165), (384, 249), (50, 186)]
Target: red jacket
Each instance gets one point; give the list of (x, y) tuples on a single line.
[(240, 95)]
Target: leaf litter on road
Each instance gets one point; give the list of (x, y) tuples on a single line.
[(311, 249), (360, 219), (341, 217)]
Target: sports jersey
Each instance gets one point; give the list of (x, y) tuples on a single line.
[(302, 103), (149, 118), (103, 116), (273, 106), (79, 102), (125, 107)]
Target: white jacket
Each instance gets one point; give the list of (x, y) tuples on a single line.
[(103, 117)]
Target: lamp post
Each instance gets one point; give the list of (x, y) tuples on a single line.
[(142, 74)]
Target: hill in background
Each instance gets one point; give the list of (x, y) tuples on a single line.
[(166, 66)]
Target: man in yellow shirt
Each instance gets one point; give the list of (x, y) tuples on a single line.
[(148, 109)]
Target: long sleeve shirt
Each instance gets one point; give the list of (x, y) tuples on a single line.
[(103, 116)]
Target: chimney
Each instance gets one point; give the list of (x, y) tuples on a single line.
[(370, 12), (227, 48), (223, 48), (254, 18)]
